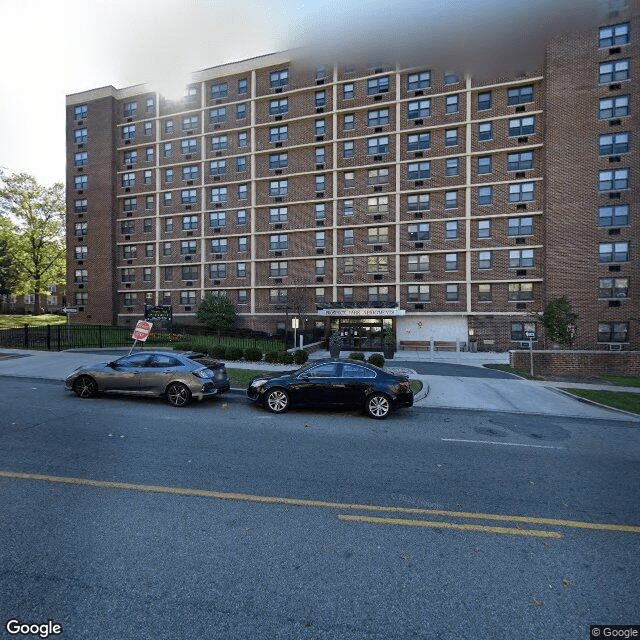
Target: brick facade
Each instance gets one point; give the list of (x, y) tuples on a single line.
[(578, 364), (464, 204)]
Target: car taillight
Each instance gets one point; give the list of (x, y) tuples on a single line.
[(405, 386)]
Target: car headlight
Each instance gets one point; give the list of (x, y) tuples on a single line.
[(204, 373), (258, 382)]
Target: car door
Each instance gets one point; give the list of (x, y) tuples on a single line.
[(125, 373), (157, 372), (321, 384), (357, 382)]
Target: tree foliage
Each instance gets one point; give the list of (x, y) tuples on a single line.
[(560, 321), (217, 312), (33, 230)]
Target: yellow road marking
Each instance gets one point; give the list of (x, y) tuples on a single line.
[(536, 533), (302, 502)]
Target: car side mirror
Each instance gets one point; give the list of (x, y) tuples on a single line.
[(113, 364)]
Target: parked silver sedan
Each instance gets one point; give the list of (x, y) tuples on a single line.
[(177, 377)]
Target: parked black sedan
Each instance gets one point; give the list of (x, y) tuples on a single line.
[(334, 382), (178, 377)]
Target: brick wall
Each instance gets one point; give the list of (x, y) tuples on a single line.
[(580, 364)]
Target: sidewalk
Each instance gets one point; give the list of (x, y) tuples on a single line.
[(513, 395)]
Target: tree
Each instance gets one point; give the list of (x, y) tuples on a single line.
[(8, 274), (560, 321), (34, 233), (217, 312)]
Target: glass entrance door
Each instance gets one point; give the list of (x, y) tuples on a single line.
[(361, 334)]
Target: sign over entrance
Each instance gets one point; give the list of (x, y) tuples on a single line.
[(141, 332), (362, 313)]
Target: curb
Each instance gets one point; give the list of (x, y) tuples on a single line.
[(594, 403)]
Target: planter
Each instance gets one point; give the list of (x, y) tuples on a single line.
[(334, 352), (388, 351)]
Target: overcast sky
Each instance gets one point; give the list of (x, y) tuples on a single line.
[(51, 48)]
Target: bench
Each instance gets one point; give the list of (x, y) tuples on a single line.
[(443, 345), (415, 345)]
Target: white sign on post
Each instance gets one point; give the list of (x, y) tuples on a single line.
[(141, 332)]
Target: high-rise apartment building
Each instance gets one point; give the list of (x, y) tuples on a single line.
[(350, 196)]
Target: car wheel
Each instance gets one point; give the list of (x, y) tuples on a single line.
[(85, 387), (178, 395), (277, 400), (378, 406)]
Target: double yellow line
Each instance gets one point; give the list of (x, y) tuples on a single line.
[(341, 506)]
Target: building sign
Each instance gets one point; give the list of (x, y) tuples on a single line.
[(158, 312), (361, 313)]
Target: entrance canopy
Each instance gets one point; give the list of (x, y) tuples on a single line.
[(365, 312)]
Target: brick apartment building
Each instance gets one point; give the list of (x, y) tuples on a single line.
[(356, 196)]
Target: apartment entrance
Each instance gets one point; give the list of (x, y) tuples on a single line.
[(362, 334)]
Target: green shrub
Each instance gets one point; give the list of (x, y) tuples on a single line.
[(218, 351), (300, 356), (181, 346), (253, 354), (284, 357), (356, 355), (271, 357), (376, 359), (233, 353)]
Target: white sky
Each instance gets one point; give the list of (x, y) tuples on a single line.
[(51, 48)]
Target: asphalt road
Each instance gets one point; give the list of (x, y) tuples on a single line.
[(131, 519)]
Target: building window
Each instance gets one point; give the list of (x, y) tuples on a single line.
[(419, 170), (80, 112), (148, 128), (320, 239), (190, 123), (278, 242), (418, 141), (613, 331), (377, 264), (485, 131), (243, 139), (520, 258), (131, 157), (168, 175), (347, 294), (451, 261), (278, 188), (279, 134), (419, 293), (278, 214), (278, 269), (217, 167), (614, 71), (613, 180), (347, 265), (189, 196), (418, 263), (241, 216), (348, 91), (279, 78), (378, 294), (320, 209), (617, 107), (320, 99), (451, 137), (520, 161), (219, 143), (520, 95), (613, 287), (484, 228), (217, 271), (150, 202), (519, 330), (146, 274), (219, 245), (80, 205), (378, 205), (168, 198), (149, 154), (349, 122), (348, 149), (419, 109), (378, 235), (416, 81), (450, 77), (485, 260), (243, 296), (347, 207), (241, 269), (451, 200), (520, 226), (188, 146), (378, 176), (129, 251), (320, 183), (613, 252), (348, 238), (484, 293), (80, 159), (149, 250), (217, 219), (166, 249), (484, 101), (127, 227), (219, 90), (277, 296), (613, 35), (520, 291), (80, 182), (451, 230), (522, 192), (241, 164), (190, 173), (278, 160), (188, 247), (218, 115), (452, 104), (243, 86), (189, 223), (453, 293), (452, 167), (320, 156), (130, 204), (378, 146), (188, 298), (613, 144), (219, 194), (613, 216), (128, 133), (243, 192), (243, 244), (241, 111), (150, 105), (81, 275), (418, 232), (167, 149), (80, 298), (419, 202), (320, 269), (377, 117), (279, 106), (81, 252), (320, 127), (485, 165), (377, 85), (521, 126)]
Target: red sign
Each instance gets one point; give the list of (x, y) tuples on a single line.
[(141, 332)]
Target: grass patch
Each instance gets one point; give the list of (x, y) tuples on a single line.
[(626, 400), (11, 321), (242, 377), (623, 381)]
